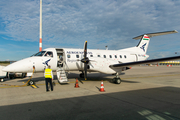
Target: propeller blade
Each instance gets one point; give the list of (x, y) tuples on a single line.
[(91, 65), (85, 49), (85, 60), (85, 71)]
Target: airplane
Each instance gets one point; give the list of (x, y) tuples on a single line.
[(2, 74), (63, 60)]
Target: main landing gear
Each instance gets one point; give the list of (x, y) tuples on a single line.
[(116, 79), (81, 75)]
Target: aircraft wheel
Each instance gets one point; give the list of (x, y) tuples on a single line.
[(31, 82), (117, 80), (2, 80), (81, 75), (10, 77), (113, 80)]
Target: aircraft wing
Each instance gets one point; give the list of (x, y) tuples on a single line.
[(129, 64)]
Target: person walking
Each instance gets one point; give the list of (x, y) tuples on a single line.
[(48, 78)]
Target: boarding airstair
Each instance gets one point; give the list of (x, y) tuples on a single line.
[(62, 74)]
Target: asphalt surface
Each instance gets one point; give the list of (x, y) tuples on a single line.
[(145, 93)]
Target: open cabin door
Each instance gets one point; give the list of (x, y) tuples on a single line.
[(61, 67), (60, 55)]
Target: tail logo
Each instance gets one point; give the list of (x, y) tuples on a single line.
[(46, 62), (143, 47)]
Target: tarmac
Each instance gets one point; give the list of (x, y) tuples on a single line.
[(145, 93)]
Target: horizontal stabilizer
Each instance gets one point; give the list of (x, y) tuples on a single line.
[(155, 34)]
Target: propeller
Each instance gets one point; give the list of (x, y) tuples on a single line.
[(85, 60)]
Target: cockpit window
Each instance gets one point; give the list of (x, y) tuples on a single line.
[(39, 53), (49, 54)]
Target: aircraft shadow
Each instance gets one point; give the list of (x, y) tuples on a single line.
[(155, 103)]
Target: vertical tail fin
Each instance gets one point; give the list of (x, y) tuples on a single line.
[(143, 44)]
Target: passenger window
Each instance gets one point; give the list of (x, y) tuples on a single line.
[(99, 56), (110, 56), (104, 56), (77, 56), (49, 54), (120, 56), (115, 56), (124, 56), (68, 56)]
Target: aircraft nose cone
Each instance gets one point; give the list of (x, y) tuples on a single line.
[(7, 69), (19, 66)]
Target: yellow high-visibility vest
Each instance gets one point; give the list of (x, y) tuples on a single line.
[(48, 73)]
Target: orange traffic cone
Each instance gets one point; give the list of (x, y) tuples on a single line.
[(102, 87), (76, 84)]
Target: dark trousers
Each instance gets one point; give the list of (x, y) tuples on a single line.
[(48, 80)]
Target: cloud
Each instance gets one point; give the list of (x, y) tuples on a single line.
[(100, 22), (20, 19)]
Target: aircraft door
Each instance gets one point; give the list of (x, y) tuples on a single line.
[(134, 57), (60, 57)]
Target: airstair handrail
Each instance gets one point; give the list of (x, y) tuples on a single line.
[(65, 66)]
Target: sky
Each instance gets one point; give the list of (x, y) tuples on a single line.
[(69, 23)]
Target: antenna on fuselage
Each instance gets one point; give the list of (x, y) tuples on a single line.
[(106, 47), (40, 28), (177, 52)]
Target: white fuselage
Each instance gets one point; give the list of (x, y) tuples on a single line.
[(71, 60)]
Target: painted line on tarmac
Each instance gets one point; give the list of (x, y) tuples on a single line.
[(12, 86), (36, 85)]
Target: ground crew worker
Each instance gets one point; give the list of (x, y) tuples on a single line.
[(48, 77)]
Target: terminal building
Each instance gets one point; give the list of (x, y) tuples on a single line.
[(169, 63)]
